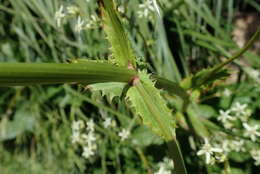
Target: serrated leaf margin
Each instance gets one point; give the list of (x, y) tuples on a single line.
[(151, 107)]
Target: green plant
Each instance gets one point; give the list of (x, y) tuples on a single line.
[(139, 86)]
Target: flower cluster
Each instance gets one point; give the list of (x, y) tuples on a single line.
[(84, 135), (238, 112), (80, 24), (235, 120), (108, 122), (221, 145)]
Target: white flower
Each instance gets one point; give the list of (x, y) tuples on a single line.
[(225, 145), (79, 25), (77, 125), (251, 131), (208, 150), (239, 109), (94, 18), (168, 162), (227, 92), (147, 5), (107, 122), (89, 138), (92, 22), (75, 137), (59, 15), (124, 134), (121, 9), (73, 10), (245, 117), (228, 125), (88, 152), (156, 7), (165, 167), (256, 156), (89, 142), (86, 140), (224, 116), (254, 74), (145, 9), (238, 145), (162, 170), (90, 125), (226, 119)]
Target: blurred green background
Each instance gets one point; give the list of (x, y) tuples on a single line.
[(35, 121)]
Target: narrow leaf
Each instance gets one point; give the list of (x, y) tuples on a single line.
[(205, 77), (121, 48)]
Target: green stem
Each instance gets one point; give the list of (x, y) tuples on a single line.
[(24, 74), (15, 74), (226, 167), (218, 67), (241, 52), (176, 155), (174, 88), (213, 127), (144, 160), (231, 59)]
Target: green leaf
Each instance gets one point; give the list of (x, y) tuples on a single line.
[(110, 89), (151, 107), (237, 171), (206, 111), (204, 77), (208, 76), (121, 48), (23, 121), (143, 137), (197, 125), (239, 157)]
